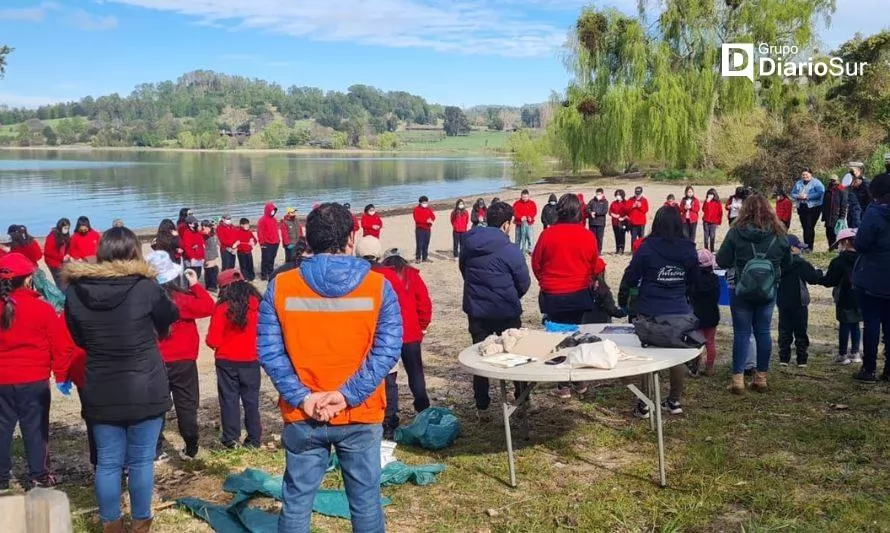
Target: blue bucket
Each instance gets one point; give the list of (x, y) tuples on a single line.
[(724, 287)]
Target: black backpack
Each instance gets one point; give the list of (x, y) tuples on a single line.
[(669, 331)]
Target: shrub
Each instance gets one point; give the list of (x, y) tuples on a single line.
[(874, 165)]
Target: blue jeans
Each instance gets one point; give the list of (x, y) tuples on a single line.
[(524, 235), (307, 448), (848, 333), (748, 318), (875, 316), (132, 445)]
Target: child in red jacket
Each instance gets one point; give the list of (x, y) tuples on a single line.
[(423, 229), (712, 215), (690, 208), (618, 214), (85, 241), (179, 348), (227, 234), (245, 240), (55, 249), (233, 337), (33, 345), (371, 222), (269, 238), (24, 244), (460, 223), (784, 209), (637, 209), (193, 246)]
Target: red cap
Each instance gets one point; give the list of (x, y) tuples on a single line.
[(227, 277), (16, 266)]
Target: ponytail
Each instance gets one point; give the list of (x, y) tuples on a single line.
[(7, 285)]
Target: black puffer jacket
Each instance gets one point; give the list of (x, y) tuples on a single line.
[(705, 297), (839, 276), (549, 216), (116, 312)]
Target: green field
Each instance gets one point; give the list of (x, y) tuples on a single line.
[(11, 129), (435, 141)]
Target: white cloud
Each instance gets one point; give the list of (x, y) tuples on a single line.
[(78, 18), (82, 20), (28, 14), (28, 101), (495, 27)]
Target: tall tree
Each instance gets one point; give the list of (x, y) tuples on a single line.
[(5, 50), (456, 122)]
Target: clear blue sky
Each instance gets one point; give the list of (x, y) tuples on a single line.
[(459, 52)]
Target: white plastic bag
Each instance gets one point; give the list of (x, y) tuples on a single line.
[(602, 355)]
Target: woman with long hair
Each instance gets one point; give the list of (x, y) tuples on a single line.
[(116, 312), (55, 249), (689, 209), (23, 243), (756, 234), (26, 245), (477, 216), (84, 243), (712, 216), (167, 239)]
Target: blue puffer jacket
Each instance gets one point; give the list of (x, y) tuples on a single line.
[(664, 270), (331, 276), (495, 275), (873, 244)]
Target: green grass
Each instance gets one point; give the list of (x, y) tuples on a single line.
[(12, 128), (432, 141)]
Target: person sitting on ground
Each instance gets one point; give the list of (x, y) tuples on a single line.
[(332, 378)]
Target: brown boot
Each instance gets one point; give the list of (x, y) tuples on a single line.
[(141, 526), (737, 385), (113, 527), (760, 382)]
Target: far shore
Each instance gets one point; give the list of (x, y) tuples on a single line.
[(251, 151)]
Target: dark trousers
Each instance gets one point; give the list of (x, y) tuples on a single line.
[(422, 241), (267, 260), (848, 335), (636, 232), (228, 259), (480, 329), (690, 230), (875, 317), (793, 328), (413, 363), (57, 278), (599, 232), (290, 253), (197, 270), (245, 263), (91, 440), (28, 406), (808, 220), (854, 215), (830, 234), (455, 239), (620, 238), (238, 385), (210, 276), (183, 378), (710, 231)]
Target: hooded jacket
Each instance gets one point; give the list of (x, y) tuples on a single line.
[(54, 255), (423, 216), (495, 275), (835, 206), (460, 220), (664, 269), (421, 296), (564, 259), (192, 243), (617, 210), (229, 342), (267, 226), (411, 331), (31, 250), (227, 234), (597, 210), (183, 342), (839, 276), (35, 344), (116, 312), (793, 292), (331, 276), (290, 230), (704, 295), (861, 195), (736, 250), (873, 244), (549, 214), (84, 246)]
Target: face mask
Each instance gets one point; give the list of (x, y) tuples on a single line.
[(372, 212), (552, 203), (710, 197), (599, 196), (524, 198), (619, 198), (460, 206), (194, 227), (65, 231), (424, 205)]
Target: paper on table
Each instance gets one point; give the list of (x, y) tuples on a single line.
[(508, 360), (538, 344)]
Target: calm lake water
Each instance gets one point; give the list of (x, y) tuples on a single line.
[(39, 187)]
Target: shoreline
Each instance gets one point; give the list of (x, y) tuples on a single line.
[(74, 148)]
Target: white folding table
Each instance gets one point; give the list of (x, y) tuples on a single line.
[(532, 374)]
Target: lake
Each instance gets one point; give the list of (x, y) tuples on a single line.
[(39, 187)]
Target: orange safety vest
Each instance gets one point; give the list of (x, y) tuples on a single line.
[(328, 340)]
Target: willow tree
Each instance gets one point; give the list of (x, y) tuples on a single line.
[(642, 90)]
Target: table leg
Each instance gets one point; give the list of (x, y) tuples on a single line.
[(650, 379), (658, 427), (508, 412)]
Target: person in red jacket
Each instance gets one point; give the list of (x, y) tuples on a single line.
[(245, 240), (460, 224), (85, 241), (269, 238), (565, 263), (524, 212), (637, 209), (193, 246), (690, 208), (618, 215), (370, 249), (181, 224), (179, 348), (33, 344), (423, 229), (585, 214), (55, 249), (671, 201), (784, 208), (227, 234), (712, 216), (24, 244), (233, 337), (355, 223), (371, 222)]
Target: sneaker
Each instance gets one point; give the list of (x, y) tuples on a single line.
[(865, 377), (641, 411), (47, 482), (843, 360), (781, 363), (856, 358), (187, 455), (672, 407), (417, 261), (801, 364), (483, 416), (162, 458), (563, 393), (581, 388)]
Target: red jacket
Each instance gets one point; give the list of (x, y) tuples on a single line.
[(368, 223), (634, 246), (53, 255), (32, 251), (36, 343), (528, 209), (565, 259), (585, 213), (421, 295), (227, 235), (83, 247), (192, 243), (230, 342), (411, 331), (693, 210), (267, 227), (422, 217), (246, 239), (617, 209), (637, 210), (183, 342), (355, 225), (712, 212), (460, 221), (784, 209)]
